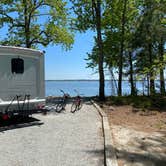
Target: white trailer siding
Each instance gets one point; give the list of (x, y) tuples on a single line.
[(30, 82)]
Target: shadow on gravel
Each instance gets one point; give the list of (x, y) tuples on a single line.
[(150, 152), (19, 122), (144, 159), (97, 155)]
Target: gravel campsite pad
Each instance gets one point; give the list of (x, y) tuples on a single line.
[(55, 139)]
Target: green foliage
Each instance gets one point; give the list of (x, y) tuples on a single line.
[(34, 22), (84, 15), (88, 15), (144, 38), (93, 59), (144, 102)]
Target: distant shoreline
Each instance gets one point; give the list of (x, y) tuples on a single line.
[(94, 80), (74, 80), (77, 80)]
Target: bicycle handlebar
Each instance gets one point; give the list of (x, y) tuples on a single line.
[(76, 91), (64, 94), (62, 91), (78, 94)]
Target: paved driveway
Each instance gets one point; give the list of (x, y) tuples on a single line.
[(64, 139)]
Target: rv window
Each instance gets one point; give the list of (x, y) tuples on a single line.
[(17, 65)]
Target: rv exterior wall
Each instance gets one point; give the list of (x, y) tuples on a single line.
[(31, 81), (41, 78)]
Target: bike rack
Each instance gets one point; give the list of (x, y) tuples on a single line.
[(21, 110)]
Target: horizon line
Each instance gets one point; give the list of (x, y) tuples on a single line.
[(90, 80), (71, 80)]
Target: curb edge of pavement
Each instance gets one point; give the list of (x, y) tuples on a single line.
[(109, 150)]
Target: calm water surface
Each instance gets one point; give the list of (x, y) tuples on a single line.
[(87, 88)]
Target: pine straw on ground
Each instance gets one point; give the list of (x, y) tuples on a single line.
[(139, 137), (150, 121)]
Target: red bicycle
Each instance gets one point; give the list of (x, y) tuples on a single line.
[(77, 103), (62, 103)]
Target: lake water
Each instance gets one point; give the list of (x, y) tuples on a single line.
[(87, 88)]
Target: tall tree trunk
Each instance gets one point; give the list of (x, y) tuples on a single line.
[(113, 80), (152, 84), (122, 48), (27, 24), (133, 89), (148, 85), (162, 80), (143, 86), (97, 7), (149, 13)]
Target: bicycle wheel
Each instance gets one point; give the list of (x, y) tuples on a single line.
[(73, 108), (80, 105), (59, 107)]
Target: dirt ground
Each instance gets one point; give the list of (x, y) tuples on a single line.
[(139, 137)]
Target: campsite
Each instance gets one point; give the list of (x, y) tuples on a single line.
[(83, 83)]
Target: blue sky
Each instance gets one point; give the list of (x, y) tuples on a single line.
[(61, 64), (65, 65)]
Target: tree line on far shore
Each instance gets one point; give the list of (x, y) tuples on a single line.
[(130, 36)]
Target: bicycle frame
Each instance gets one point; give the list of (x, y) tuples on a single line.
[(62, 104), (20, 107), (77, 103)]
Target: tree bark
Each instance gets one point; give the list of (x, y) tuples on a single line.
[(162, 80), (133, 89), (148, 85), (27, 25), (152, 84), (122, 49), (97, 7)]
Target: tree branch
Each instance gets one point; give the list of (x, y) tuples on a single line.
[(94, 9), (7, 16), (42, 14), (34, 40)]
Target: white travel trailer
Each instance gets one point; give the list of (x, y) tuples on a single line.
[(22, 89)]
